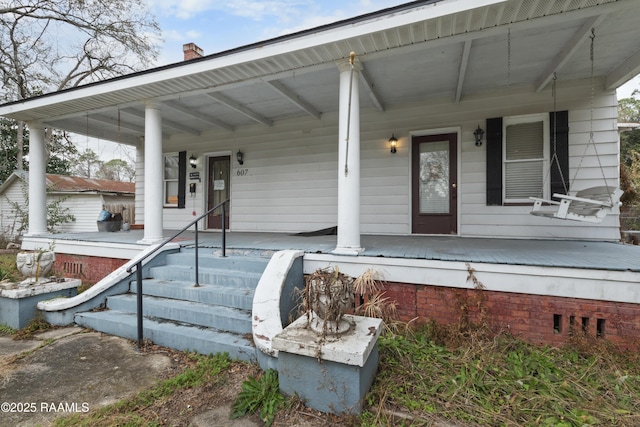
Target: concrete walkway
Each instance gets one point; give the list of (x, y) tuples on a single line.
[(76, 370)]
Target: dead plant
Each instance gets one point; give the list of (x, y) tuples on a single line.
[(372, 302)]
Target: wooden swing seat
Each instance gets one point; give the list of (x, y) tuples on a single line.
[(588, 205)]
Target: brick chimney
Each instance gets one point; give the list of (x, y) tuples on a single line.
[(191, 51)]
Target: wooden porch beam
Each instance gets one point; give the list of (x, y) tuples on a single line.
[(293, 97), (165, 122), (464, 62), (240, 108), (175, 105), (369, 87), (568, 50), (624, 72), (114, 122)]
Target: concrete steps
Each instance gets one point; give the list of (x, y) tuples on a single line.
[(211, 318)]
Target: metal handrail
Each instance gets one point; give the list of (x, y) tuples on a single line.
[(138, 264)]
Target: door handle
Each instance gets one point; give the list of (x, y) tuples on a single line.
[(454, 185)]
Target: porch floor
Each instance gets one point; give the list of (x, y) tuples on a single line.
[(544, 253)]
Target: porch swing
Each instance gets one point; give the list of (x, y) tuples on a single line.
[(587, 205)]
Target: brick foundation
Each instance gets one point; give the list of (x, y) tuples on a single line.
[(535, 318), (89, 269)]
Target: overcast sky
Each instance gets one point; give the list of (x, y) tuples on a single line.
[(216, 26)]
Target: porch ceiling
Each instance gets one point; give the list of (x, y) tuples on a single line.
[(449, 49)]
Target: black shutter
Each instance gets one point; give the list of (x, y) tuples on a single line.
[(560, 162), (182, 178), (494, 162)]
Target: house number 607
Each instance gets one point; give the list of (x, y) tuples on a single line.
[(242, 172)]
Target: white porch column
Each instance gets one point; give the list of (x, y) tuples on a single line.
[(37, 181), (349, 161), (153, 174)]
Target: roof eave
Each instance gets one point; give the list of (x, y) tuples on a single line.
[(331, 33)]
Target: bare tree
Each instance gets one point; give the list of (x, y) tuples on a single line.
[(117, 170), (49, 45), (87, 164)]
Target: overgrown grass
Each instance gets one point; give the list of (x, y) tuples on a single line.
[(35, 326), (8, 269), (6, 330), (502, 382), (206, 370)]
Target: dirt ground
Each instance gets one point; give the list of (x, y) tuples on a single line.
[(74, 370)]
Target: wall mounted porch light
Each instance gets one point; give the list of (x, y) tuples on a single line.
[(478, 134), (240, 157), (193, 161), (393, 143)]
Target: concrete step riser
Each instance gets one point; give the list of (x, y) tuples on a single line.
[(170, 335), (241, 298), (221, 318), (206, 276), (242, 264)]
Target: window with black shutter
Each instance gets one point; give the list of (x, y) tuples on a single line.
[(520, 157)]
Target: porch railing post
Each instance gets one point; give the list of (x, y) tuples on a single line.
[(139, 302), (224, 230), (197, 280)]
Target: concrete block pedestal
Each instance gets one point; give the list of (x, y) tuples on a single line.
[(18, 302), (333, 373)]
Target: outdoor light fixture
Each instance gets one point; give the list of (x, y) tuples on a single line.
[(478, 134), (393, 142), (193, 161), (240, 157)]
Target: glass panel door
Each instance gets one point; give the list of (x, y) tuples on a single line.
[(434, 195), (434, 177), (219, 190)]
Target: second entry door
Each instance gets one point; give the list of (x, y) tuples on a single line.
[(218, 180), (434, 188)]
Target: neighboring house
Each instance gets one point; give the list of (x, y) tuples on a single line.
[(84, 198)]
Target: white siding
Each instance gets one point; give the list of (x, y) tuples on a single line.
[(84, 207), (8, 223), (291, 168)]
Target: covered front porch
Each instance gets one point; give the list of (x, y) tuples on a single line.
[(573, 254), (540, 290)]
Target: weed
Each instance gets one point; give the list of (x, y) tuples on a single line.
[(35, 326), (8, 268), (6, 330), (206, 370), (259, 394), (501, 381)]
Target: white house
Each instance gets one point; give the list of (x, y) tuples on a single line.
[(84, 198), (425, 72), (428, 118)]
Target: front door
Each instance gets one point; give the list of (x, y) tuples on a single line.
[(219, 172), (434, 188)]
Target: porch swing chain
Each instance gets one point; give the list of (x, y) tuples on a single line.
[(352, 57), (555, 158), (591, 140)]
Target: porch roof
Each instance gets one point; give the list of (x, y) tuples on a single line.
[(595, 255), (449, 49)]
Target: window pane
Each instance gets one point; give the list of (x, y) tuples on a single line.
[(525, 141), (523, 179), (171, 167), (171, 193), (434, 177)]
